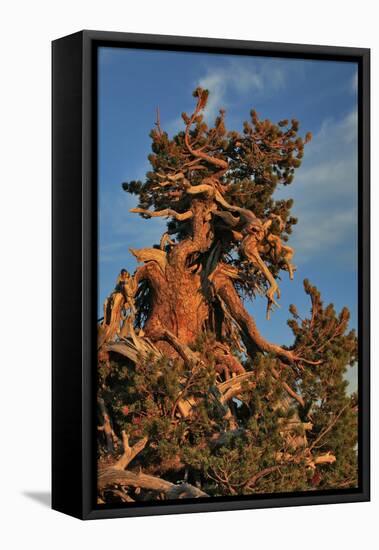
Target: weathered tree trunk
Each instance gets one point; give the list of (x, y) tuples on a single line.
[(178, 306), (179, 302), (180, 286)]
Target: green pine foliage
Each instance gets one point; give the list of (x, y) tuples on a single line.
[(261, 157), (264, 440), (204, 451)]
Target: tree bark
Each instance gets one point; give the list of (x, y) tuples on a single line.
[(250, 334), (179, 304), (113, 476)]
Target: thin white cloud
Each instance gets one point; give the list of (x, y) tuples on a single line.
[(240, 78), (336, 133), (325, 194), (320, 234), (234, 80)]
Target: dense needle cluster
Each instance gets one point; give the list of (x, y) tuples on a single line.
[(192, 400)]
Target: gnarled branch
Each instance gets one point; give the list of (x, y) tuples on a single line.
[(251, 336), (166, 213), (129, 452), (126, 478)]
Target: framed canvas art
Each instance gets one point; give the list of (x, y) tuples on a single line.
[(210, 274)]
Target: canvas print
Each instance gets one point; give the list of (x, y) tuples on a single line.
[(227, 276)]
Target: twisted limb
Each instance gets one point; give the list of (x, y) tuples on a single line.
[(249, 248), (119, 309), (166, 241), (110, 326), (166, 213), (283, 252), (118, 474), (250, 334), (287, 255), (278, 249)]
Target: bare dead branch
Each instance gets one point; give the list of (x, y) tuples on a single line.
[(129, 452), (166, 213), (126, 478)]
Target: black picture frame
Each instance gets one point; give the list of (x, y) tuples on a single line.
[(74, 205)]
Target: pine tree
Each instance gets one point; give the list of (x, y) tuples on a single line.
[(210, 406)]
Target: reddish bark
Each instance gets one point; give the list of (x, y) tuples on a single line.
[(250, 334), (179, 303)]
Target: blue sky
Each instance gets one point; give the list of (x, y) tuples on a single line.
[(322, 95)]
